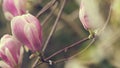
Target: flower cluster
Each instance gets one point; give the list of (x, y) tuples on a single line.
[(26, 30)]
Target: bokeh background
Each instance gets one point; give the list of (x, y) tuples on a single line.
[(103, 53)]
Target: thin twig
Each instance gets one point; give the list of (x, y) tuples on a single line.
[(65, 59), (84, 49), (60, 60), (107, 21), (38, 64), (54, 26), (36, 61), (46, 19), (66, 48), (47, 6)]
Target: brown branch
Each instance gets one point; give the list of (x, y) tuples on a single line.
[(66, 48), (107, 21), (54, 26), (50, 14), (65, 59), (36, 61), (47, 6), (69, 20), (84, 48)]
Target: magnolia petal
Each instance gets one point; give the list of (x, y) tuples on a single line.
[(10, 50), (27, 29), (8, 15), (33, 36), (29, 36), (34, 30), (11, 43), (17, 26), (21, 4), (3, 56), (4, 65), (14, 8), (32, 19), (9, 6), (11, 59), (84, 16), (21, 55)]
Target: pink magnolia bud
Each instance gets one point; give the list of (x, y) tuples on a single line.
[(27, 29), (83, 16), (11, 51), (13, 8)]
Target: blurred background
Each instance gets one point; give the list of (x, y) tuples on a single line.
[(103, 53)]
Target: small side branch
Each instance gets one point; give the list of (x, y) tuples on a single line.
[(54, 26), (46, 7), (66, 48), (65, 59)]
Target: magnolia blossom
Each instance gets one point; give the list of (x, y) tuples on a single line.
[(90, 15), (83, 16), (27, 29), (11, 52), (13, 8)]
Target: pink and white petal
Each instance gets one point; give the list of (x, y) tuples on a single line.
[(84, 17), (29, 35), (26, 48), (33, 36), (20, 5), (13, 44), (21, 55), (4, 65), (31, 19), (3, 39), (17, 26), (8, 5), (10, 57), (34, 20), (3, 56), (8, 15)]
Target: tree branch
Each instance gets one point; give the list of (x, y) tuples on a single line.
[(54, 26), (47, 6), (66, 48), (65, 59)]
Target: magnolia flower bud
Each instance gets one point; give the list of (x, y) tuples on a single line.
[(11, 52), (90, 15), (13, 8), (27, 29), (84, 17)]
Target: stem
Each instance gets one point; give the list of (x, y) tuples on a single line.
[(107, 21), (36, 61), (49, 4), (40, 58), (84, 48), (62, 50), (54, 26), (46, 19), (60, 60), (66, 48), (65, 59)]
